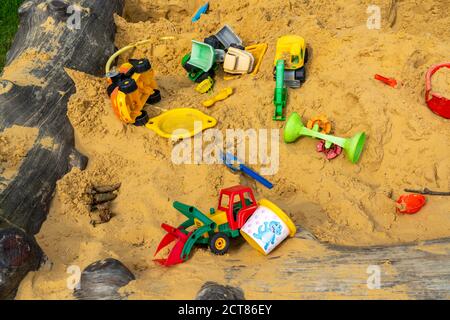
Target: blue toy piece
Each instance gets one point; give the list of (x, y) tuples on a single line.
[(230, 159), (203, 9)]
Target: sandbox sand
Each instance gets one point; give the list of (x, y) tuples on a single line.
[(339, 202)]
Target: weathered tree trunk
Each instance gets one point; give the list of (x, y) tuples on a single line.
[(25, 201), (417, 271)]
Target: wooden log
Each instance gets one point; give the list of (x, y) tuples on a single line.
[(101, 280), (35, 91)]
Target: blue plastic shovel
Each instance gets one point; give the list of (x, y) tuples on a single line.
[(229, 159), (203, 9)]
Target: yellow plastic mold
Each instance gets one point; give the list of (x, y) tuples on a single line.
[(181, 123), (258, 51)]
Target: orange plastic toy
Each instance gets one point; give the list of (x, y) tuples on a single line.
[(131, 88), (389, 81), (410, 203)]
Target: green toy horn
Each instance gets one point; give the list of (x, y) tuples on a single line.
[(353, 147)]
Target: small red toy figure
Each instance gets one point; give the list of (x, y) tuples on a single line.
[(333, 152)]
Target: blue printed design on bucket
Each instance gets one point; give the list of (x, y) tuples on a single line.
[(268, 233)]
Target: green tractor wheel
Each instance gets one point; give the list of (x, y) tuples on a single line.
[(219, 243)]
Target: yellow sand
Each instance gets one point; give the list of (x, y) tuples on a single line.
[(337, 201), (15, 142)]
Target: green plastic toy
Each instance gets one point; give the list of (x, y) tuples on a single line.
[(201, 62), (280, 96), (202, 55), (353, 147)]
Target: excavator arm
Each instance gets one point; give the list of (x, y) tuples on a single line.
[(185, 240)]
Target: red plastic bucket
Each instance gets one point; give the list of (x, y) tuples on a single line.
[(438, 104), (410, 203)]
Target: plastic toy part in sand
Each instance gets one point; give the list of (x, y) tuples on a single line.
[(436, 102), (258, 51), (180, 123), (281, 93), (205, 86), (233, 163), (292, 50), (411, 203), (228, 37), (389, 81), (202, 10), (238, 61), (267, 227), (236, 205), (222, 95), (353, 147), (131, 88)]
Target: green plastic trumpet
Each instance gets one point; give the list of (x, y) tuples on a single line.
[(353, 147)]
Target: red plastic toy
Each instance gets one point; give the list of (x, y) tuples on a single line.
[(333, 152), (410, 203), (389, 81), (437, 103)]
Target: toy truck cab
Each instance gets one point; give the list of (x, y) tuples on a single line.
[(238, 61), (239, 204), (293, 51)]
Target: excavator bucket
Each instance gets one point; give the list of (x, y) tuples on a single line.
[(173, 234)]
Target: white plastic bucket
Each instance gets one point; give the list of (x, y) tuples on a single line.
[(267, 227)]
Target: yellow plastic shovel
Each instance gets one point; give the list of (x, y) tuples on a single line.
[(222, 95)]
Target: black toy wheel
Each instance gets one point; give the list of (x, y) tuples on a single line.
[(140, 65), (237, 46), (213, 42), (142, 119), (111, 88), (190, 68), (300, 74), (219, 243), (212, 73), (203, 77), (128, 86), (155, 97)]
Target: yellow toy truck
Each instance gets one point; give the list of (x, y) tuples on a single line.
[(292, 50), (131, 88)]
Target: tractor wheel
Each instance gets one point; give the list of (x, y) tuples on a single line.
[(155, 97), (111, 88), (219, 243), (142, 119), (306, 58), (141, 65), (128, 86), (300, 74), (202, 78)]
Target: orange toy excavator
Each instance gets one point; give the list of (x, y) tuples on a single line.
[(131, 88)]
